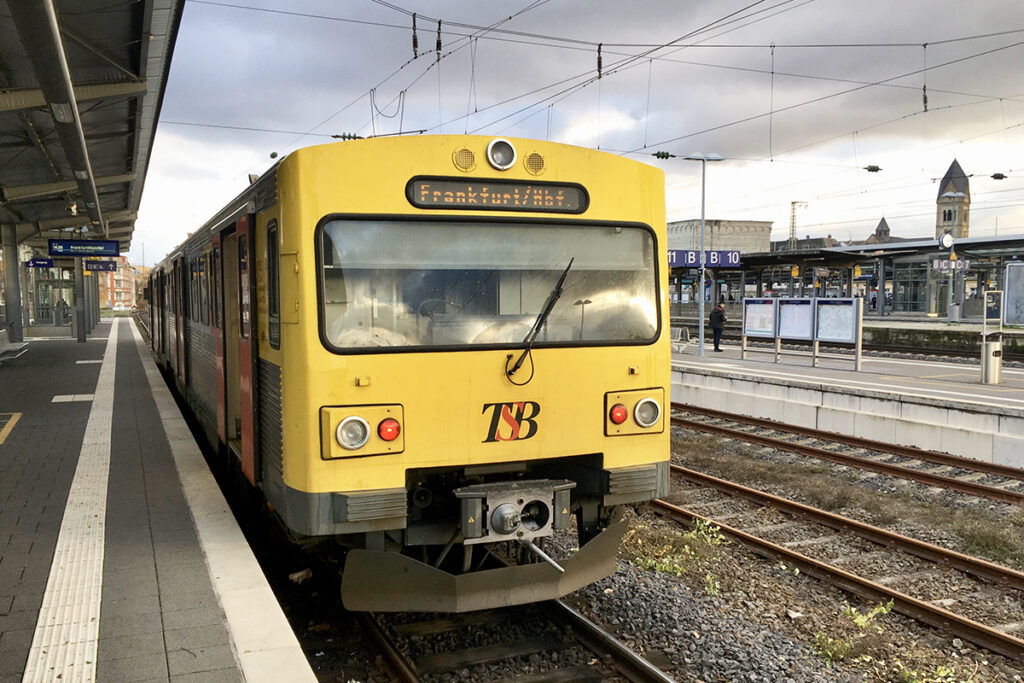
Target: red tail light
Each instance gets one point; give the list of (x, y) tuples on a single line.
[(618, 414), (389, 429)]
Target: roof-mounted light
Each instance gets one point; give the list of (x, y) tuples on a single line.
[(501, 154)]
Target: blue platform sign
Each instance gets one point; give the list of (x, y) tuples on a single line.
[(690, 258), (95, 266), (39, 263), (85, 248)]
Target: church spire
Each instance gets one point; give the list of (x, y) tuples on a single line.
[(952, 206)]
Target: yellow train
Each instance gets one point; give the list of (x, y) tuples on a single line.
[(432, 349)]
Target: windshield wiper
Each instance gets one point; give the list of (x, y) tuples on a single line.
[(541, 319)]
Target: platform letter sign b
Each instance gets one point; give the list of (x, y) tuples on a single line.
[(512, 421)]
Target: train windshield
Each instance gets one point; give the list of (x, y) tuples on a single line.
[(388, 283)]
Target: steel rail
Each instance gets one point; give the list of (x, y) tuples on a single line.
[(859, 442), (991, 492), (394, 659), (628, 663), (983, 569), (978, 633)]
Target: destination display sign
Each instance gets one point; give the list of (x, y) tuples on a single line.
[(496, 195), (101, 266), (690, 258), (39, 263), (85, 248)]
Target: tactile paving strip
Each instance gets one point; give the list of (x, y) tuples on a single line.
[(67, 630)]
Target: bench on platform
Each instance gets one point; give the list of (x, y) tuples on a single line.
[(10, 350), (680, 338)]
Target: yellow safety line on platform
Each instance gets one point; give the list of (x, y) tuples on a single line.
[(9, 427)]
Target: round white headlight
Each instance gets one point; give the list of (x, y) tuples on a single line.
[(501, 154), (647, 412), (352, 433)]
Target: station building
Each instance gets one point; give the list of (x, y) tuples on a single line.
[(909, 275), (118, 287)]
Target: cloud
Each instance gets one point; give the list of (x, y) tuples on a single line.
[(795, 123)]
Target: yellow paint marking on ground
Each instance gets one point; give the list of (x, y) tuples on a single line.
[(9, 427)]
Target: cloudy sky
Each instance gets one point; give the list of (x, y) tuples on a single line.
[(798, 96)]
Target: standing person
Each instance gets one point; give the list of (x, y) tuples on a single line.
[(718, 323)]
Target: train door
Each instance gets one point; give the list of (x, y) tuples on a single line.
[(161, 313), (156, 302), (232, 400), (239, 346), (179, 317), (217, 326)]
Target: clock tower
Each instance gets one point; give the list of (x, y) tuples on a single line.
[(952, 207)]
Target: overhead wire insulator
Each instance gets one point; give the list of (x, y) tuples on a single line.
[(439, 40), (599, 59), (924, 71), (415, 39)]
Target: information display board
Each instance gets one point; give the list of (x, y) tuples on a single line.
[(993, 306), (759, 317), (796, 319), (84, 247), (1013, 295), (837, 320)]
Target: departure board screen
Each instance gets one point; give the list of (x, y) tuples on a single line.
[(496, 195)]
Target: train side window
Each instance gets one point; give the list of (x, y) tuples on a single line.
[(273, 286), (204, 291), (243, 286)]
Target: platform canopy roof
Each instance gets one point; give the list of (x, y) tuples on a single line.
[(81, 84), (998, 246)]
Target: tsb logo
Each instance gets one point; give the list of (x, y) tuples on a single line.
[(512, 421)]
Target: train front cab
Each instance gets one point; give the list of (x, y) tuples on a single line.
[(337, 300), (404, 310)]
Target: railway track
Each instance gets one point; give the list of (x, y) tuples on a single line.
[(1001, 483), (973, 599), (872, 349), (505, 641)]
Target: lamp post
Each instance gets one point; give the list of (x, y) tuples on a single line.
[(703, 159)]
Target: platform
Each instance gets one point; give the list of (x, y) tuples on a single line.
[(929, 404), (119, 558), (941, 380)]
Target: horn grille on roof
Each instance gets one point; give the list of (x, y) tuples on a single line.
[(464, 159), (534, 163)]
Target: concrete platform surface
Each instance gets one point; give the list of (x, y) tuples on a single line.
[(119, 558), (939, 406), (936, 380)]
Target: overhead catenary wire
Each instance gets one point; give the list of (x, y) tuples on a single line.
[(587, 43), (606, 51)]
